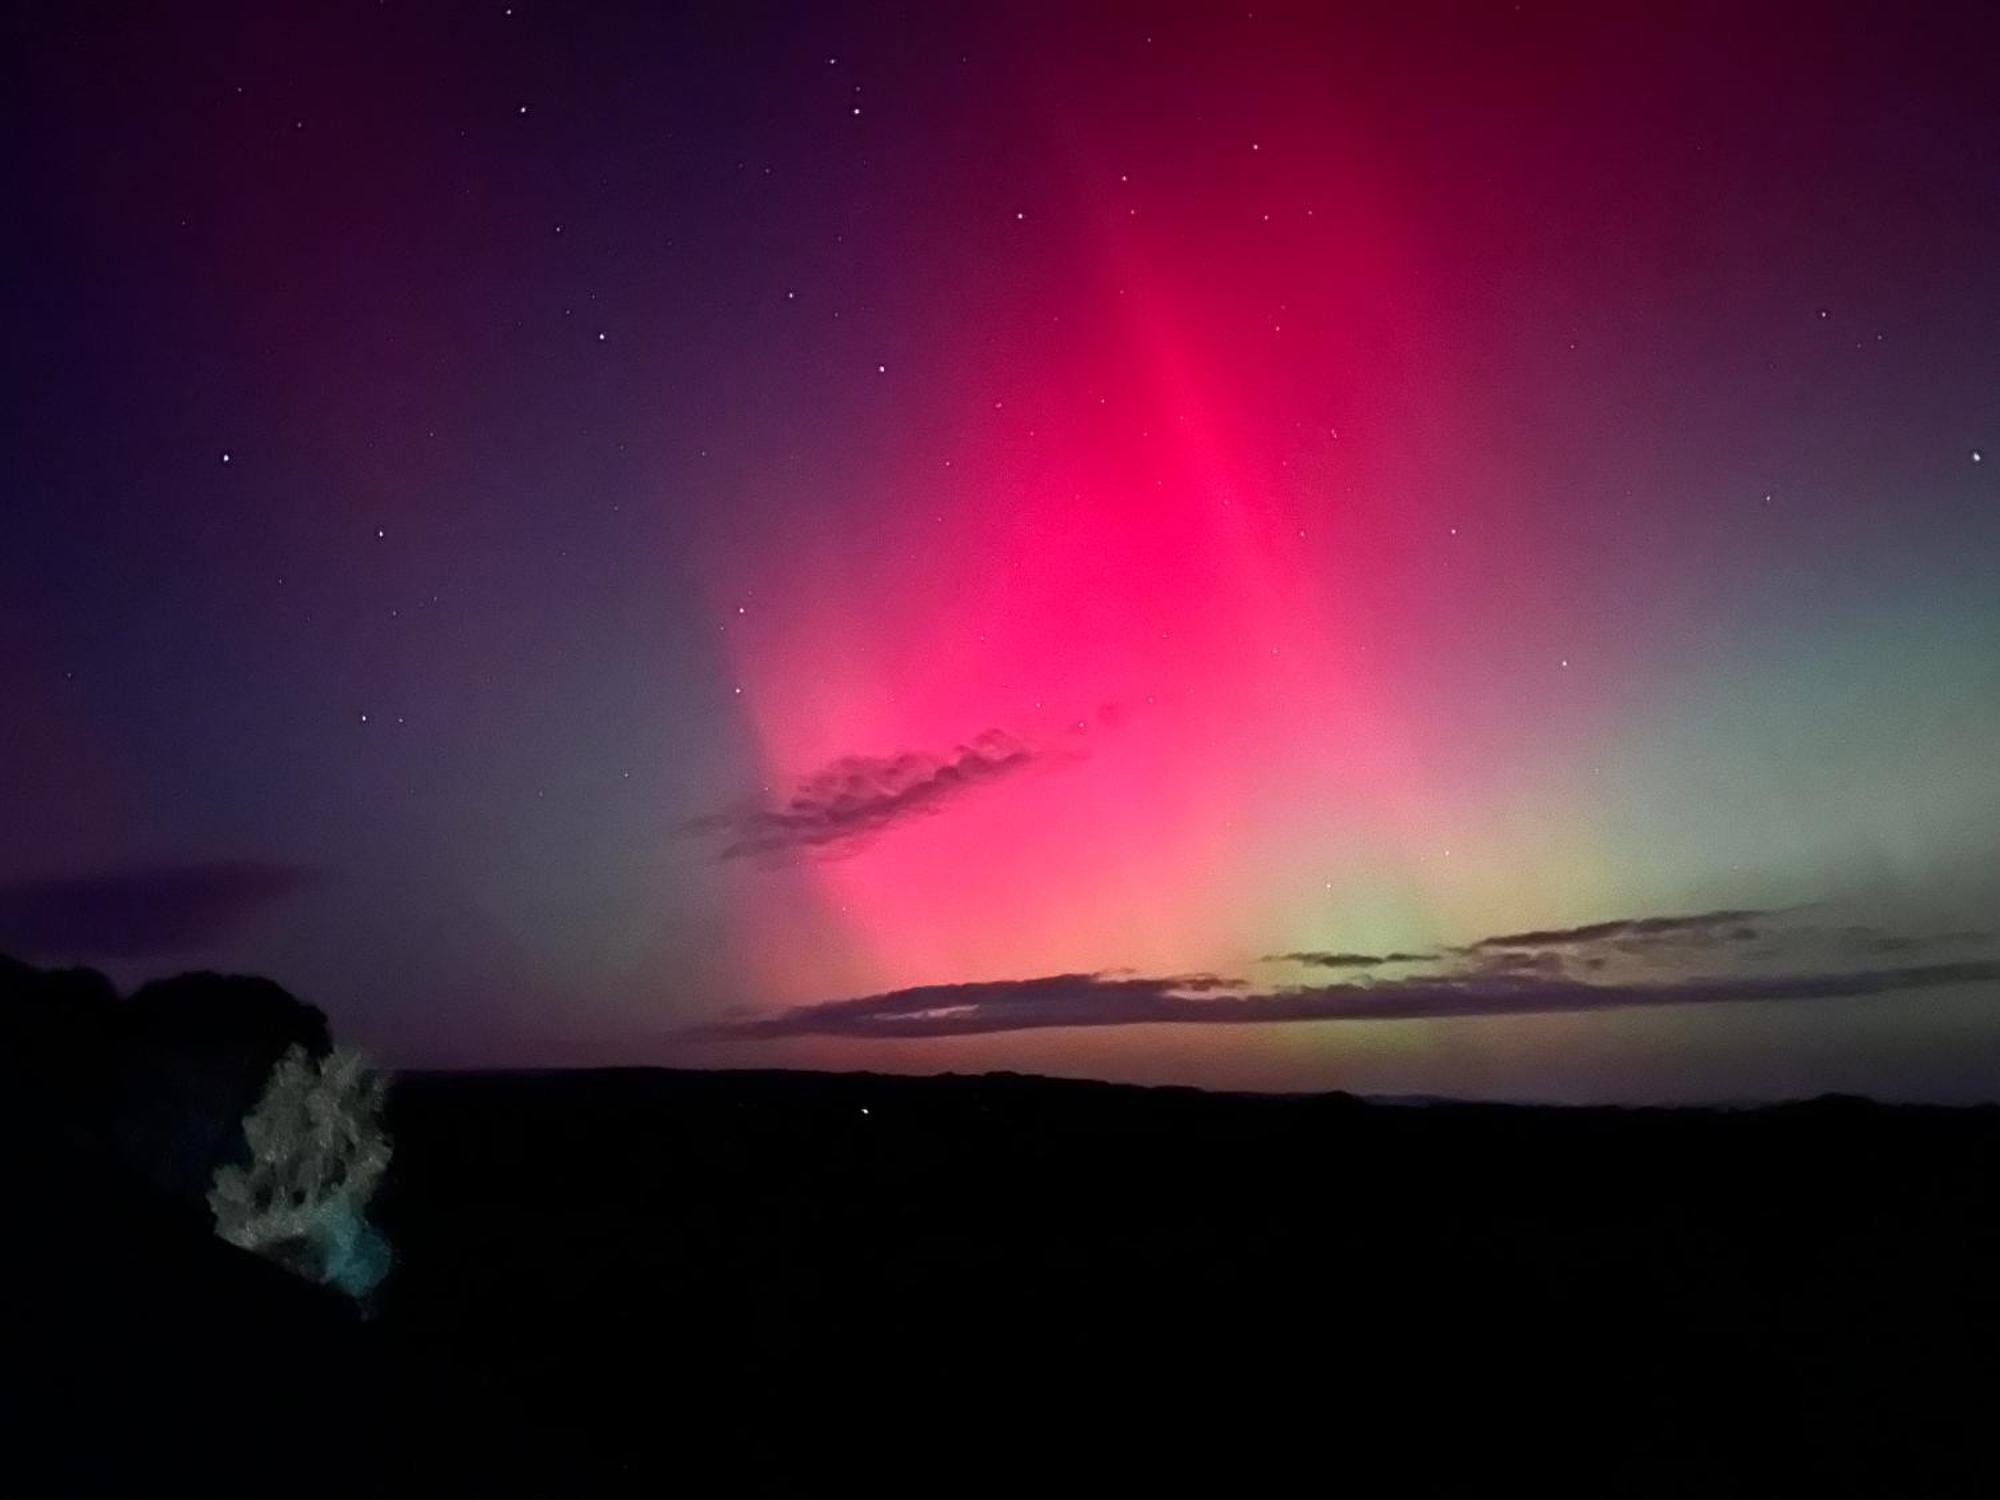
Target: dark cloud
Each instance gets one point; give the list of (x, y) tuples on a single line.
[(1714, 935), (1552, 970), (1100, 1000), (1527, 961), (1320, 960), (992, 1005), (840, 808), (1699, 928), (141, 913)]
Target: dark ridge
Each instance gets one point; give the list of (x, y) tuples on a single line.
[(769, 1282)]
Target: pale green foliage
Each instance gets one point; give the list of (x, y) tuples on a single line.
[(318, 1149)]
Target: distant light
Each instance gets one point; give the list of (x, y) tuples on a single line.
[(226, 458), (1977, 457), (864, 1109)]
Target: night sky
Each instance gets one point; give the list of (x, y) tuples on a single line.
[(1416, 549)]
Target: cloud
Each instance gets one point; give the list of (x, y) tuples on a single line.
[(990, 1005), (1321, 960), (843, 806), (1700, 929), (1523, 973), (1098, 1000), (1552, 949), (1731, 937), (1526, 961), (141, 913)]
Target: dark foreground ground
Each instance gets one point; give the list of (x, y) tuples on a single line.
[(739, 1283)]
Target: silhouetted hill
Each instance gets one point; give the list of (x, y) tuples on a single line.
[(136, 1344), (913, 1283), (627, 1281)]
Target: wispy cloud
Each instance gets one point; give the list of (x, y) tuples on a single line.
[(141, 913), (841, 807), (1096, 1000), (991, 1005), (1699, 929), (1715, 938), (1314, 958), (1524, 973)]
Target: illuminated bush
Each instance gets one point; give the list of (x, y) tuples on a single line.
[(318, 1150)]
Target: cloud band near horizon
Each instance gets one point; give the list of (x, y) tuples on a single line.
[(144, 913), (1097, 1000)]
